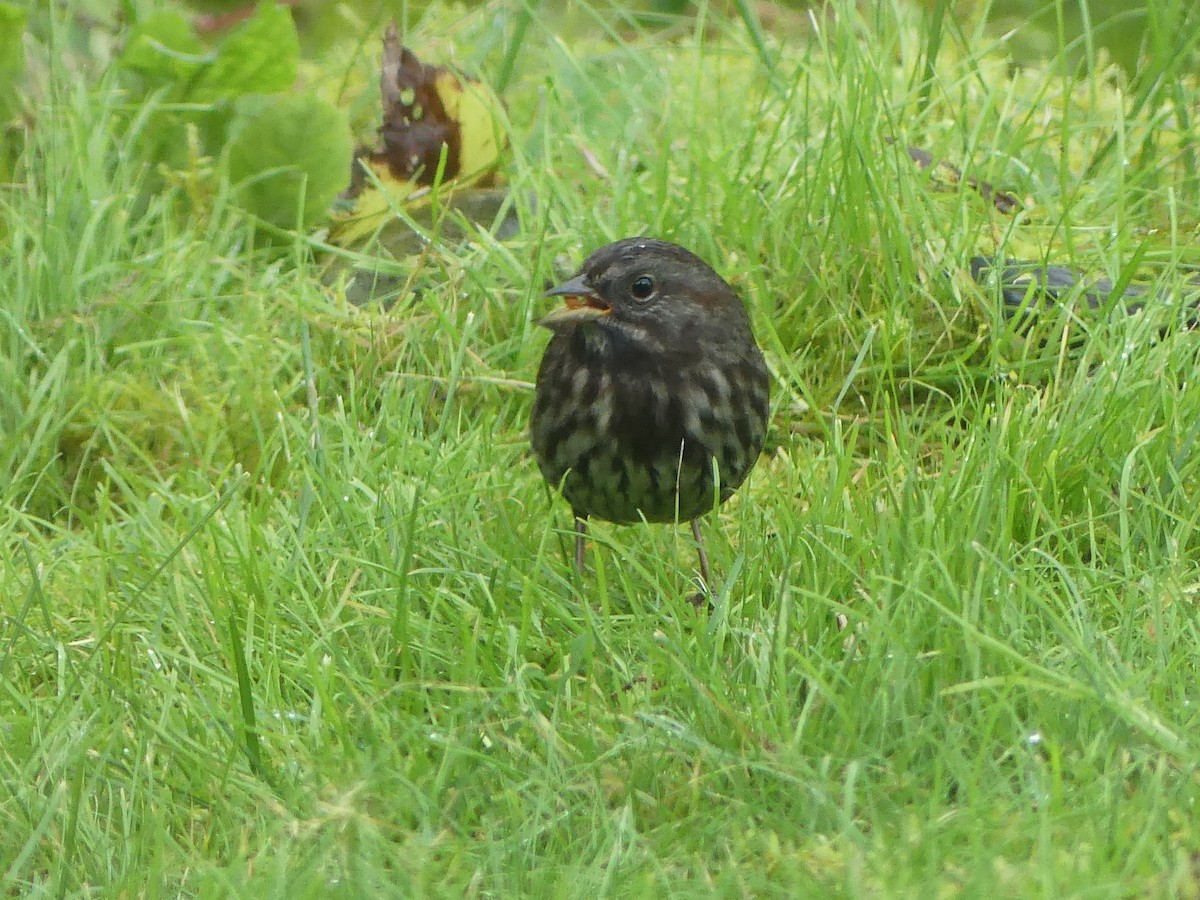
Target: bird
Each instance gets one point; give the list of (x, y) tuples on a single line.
[(652, 398)]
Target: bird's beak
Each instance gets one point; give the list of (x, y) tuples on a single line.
[(583, 304)]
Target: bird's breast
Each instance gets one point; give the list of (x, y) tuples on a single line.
[(631, 439)]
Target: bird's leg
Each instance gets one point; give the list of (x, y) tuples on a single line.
[(704, 573), (580, 537)]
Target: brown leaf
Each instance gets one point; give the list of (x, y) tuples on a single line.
[(438, 124), (1005, 201), (416, 125), (222, 21)]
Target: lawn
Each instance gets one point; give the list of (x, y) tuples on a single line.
[(287, 610)]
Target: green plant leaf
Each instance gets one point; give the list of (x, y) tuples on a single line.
[(261, 57), (163, 48), (294, 147)]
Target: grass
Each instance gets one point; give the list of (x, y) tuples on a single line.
[(288, 611)]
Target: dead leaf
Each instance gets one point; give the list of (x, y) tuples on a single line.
[(438, 127), (952, 176)]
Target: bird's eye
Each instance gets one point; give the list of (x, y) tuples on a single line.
[(642, 288)]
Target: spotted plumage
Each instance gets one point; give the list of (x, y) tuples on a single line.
[(652, 397)]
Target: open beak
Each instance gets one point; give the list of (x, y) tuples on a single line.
[(583, 304)]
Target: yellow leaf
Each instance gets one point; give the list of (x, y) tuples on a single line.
[(441, 130)]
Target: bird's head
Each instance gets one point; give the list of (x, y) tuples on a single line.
[(649, 295)]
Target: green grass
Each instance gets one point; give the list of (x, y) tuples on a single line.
[(287, 610)]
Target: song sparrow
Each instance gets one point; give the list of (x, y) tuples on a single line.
[(652, 397)]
